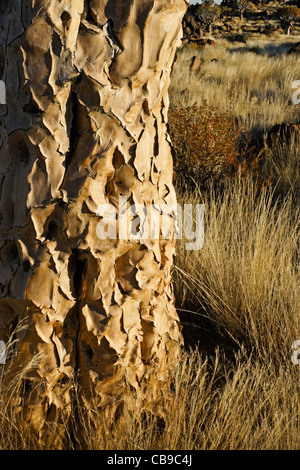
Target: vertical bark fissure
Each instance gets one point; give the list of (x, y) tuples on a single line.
[(73, 128), (78, 266)]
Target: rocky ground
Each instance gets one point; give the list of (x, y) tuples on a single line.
[(256, 22)]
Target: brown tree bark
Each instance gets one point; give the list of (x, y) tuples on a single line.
[(85, 122)]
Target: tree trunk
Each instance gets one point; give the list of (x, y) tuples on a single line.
[(85, 122)]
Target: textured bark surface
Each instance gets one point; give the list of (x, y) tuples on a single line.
[(85, 121)]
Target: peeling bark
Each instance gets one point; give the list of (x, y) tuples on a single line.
[(85, 122)]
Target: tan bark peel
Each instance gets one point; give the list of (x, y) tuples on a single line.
[(85, 121)]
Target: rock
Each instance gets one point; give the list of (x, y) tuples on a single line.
[(211, 42), (195, 63), (203, 41)]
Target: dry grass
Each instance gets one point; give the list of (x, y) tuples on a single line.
[(246, 277), (247, 405), (244, 404), (254, 80), (241, 290), (282, 165)]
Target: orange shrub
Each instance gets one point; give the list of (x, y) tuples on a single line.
[(210, 145)]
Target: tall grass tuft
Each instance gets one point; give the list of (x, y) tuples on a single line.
[(246, 277)]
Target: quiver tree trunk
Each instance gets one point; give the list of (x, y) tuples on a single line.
[(85, 122)]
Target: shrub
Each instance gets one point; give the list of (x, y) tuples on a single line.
[(288, 15), (208, 13), (210, 145)]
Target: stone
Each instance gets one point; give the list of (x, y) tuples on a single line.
[(195, 63)]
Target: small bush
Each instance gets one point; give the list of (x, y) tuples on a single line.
[(210, 145)]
